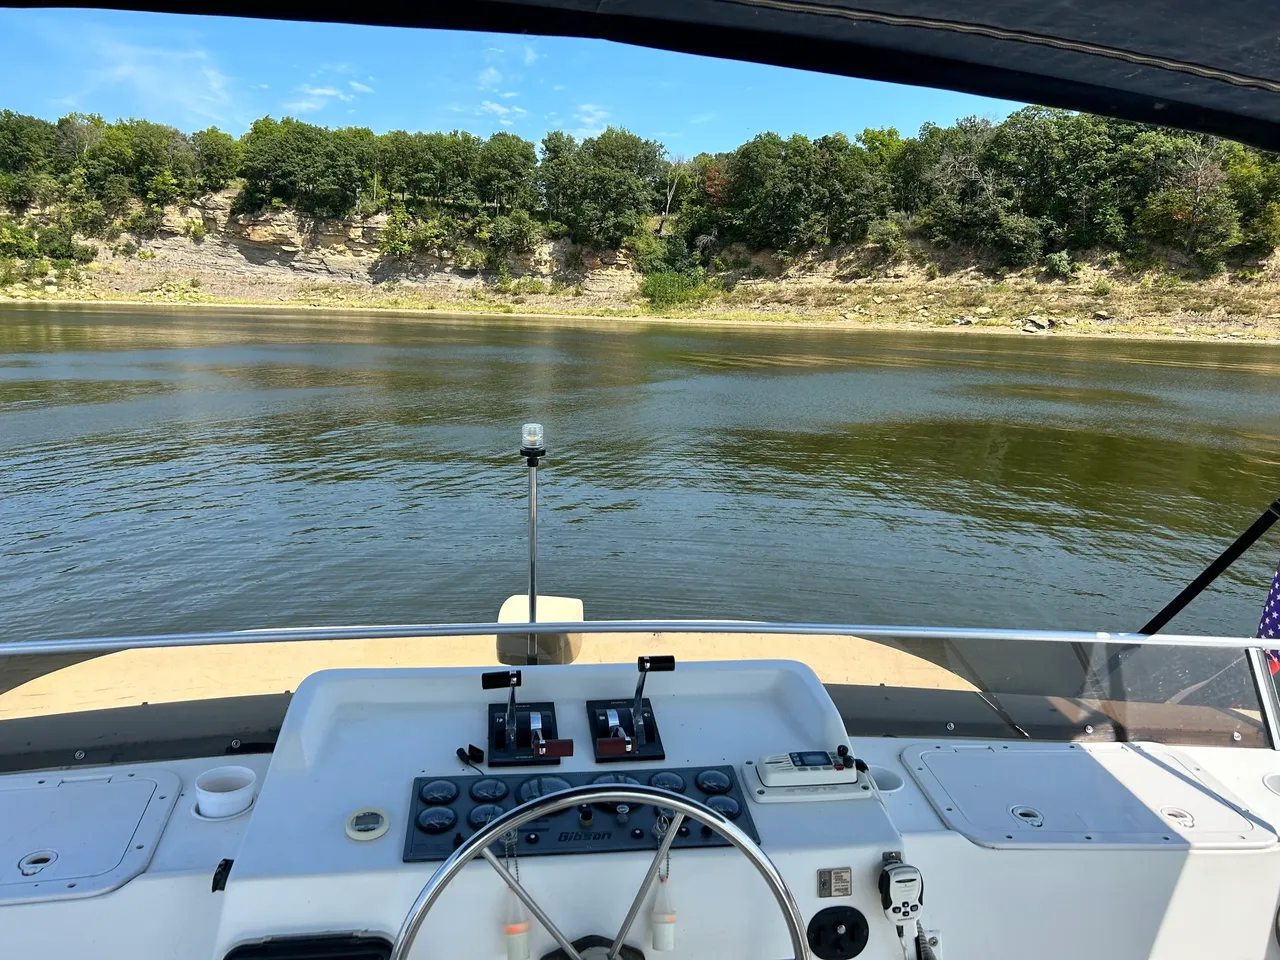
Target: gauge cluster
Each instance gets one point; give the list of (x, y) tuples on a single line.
[(446, 810)]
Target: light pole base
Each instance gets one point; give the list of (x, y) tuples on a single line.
[(513, 649)]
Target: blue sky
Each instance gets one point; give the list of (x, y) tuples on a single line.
[(196, 71)]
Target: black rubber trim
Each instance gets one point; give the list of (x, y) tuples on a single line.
[(220, 874), (340, 946)]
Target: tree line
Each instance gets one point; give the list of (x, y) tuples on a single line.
[(1019, 192)]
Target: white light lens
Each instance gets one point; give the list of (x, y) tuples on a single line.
[(531, 436)]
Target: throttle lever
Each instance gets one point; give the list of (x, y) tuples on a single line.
[(541, 746), (662, 664), (499, 679), (496, 680), (613, 746), (562, 747)]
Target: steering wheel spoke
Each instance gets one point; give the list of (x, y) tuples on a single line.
[(663, 849), (532, 904)]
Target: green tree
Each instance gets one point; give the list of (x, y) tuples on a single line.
[(393, 157), (217, 157), (26, 143), (26, 153), (163, 189), (516, 232), (319, 171), (396, 238), (1194, 209), (557, 175), (603, 189), (74, 135), (505, 172), (16, 240), (852, 190)]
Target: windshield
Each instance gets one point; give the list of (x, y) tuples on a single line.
[(813, 350)]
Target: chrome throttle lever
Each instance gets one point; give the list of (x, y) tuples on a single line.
[(496, 680), (661, 664), (618, 743), (541, 746)]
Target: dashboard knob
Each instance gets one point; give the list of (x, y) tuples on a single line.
[(613, 778)]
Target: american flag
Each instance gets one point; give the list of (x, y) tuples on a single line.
[(1269, 625)]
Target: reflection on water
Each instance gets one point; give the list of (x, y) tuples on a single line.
[(184, 472)]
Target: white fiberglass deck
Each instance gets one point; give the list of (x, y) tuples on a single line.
[(358, 738)]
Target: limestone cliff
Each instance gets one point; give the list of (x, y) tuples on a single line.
[(206, 238)]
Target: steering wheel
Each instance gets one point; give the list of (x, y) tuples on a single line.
[(477, 845)]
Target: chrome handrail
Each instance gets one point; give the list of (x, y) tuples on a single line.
[(92, 645)]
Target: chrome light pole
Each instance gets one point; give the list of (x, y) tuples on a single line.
[(532, 447)]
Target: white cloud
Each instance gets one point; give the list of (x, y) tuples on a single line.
[(161, 78), (324, 92), (592, 118), (702, 117), (489, 78), (492, 53), (557, 88), (359, 87), (530, 55), (343, 69), (501, 110), (264, 86), (510, 93), (506, 123), (316, 98)]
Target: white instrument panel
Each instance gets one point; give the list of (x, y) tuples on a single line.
[(358, 738)]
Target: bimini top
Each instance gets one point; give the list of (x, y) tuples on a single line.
[(1207, 66)]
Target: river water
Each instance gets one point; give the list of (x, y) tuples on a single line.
[(171, 471)]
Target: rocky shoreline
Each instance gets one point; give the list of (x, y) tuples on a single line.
[(207, 254)]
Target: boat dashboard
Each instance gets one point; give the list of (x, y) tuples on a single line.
[(322, 847)]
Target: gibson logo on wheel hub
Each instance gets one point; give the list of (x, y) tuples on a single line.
[(571, 835)]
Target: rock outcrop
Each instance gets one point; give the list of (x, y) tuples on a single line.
[(208, 237)]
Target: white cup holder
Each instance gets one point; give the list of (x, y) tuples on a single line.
[(885, 779), (224, 792)]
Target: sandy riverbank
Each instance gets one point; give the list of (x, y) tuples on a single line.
[(1154, 329)]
